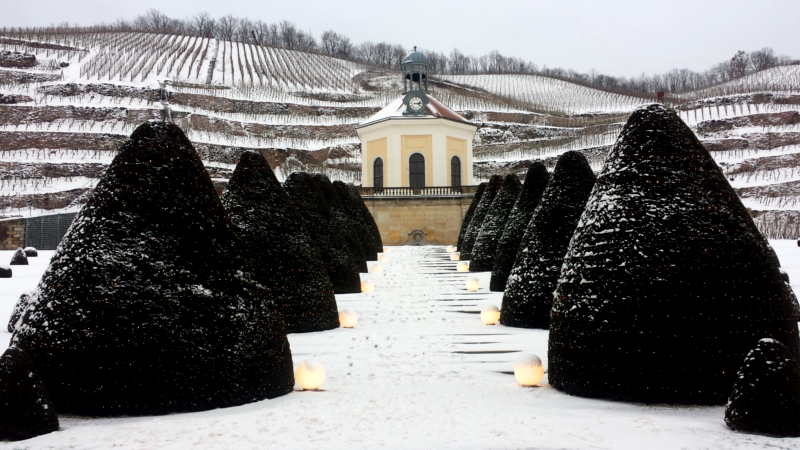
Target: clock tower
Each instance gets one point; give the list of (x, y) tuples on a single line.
[(415, 70)]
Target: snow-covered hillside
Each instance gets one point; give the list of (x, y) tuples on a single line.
[(63, 115)]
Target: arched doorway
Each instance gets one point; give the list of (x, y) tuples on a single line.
[(377, 174), (416, 171), (455, 171)]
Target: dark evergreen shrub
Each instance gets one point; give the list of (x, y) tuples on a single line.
[(19, 258), (16, 313), (529, 292), (275, 239), (535, 182), (366, 237), (316, 214), (481, 210), (25, 408), (31, 252), (148, 305), (470, 212), (666, 285), (342, 221), (372, 226), (766, 395), (5, 272), (494, 223)]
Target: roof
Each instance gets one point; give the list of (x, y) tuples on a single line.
[(415, 57), (395, 110)]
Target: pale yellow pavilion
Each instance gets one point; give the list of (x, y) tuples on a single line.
[(416, 141)]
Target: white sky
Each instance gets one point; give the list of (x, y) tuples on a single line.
[(616, 37)]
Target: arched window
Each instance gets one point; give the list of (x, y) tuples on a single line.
[(455, 172), (416, 171), (377, 174)]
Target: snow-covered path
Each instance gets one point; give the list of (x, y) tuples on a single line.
[(420, 370)]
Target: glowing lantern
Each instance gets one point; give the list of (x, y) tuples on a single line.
[(529, 371), (473, 284), (387, 250), (462, 267), (348, 318), (490, 315), (455, 257), (383, 258), (376, 269), (450, 249), (367, 286), (310, 375)]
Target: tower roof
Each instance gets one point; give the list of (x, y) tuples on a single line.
[(395, 110), (416, 57)]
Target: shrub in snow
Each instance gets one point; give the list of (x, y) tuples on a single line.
[(363, 232), (341, 221), (25, 408), (529, 292), (19, 258), (275, 239), (667, 284), (372, 226), (148, 305), (493, 224), (535, 182), (766, 395), (318, 218), (475, 224), (16, 313), (5, 272), (31, 252), (470, 212)]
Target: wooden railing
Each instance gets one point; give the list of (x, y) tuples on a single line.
[(433, 191)]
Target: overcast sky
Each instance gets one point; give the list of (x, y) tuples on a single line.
[(616, 37)]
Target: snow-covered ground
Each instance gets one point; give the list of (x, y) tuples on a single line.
[(420, 370)]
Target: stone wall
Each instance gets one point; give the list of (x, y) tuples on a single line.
[(438, 217), (12, 234)]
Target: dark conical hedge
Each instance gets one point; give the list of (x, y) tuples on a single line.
[(315, 211), (535, 182), (276, 240), (148, 305), (529, 292), (666, 285), (16, 313), (493, 225), (364, 233), (369, 221), (475, 224), (470, 212), (25, 408), (19, 258), (766, 395), (342, 220), (31, 252), (6, 272)]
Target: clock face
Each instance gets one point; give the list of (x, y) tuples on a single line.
[(415, 103)]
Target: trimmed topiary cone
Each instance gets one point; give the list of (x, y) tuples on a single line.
[(25, 408), (666, 285), (470, 212), (31, 252), (364, 234), (342, 220), (766, 396), (475, 224), (19, 258), (535, 182), (6, 272), (316, 214), (148, 305), (529, 292), (493, 224), (16, 313), (369, 221), (276, 241)]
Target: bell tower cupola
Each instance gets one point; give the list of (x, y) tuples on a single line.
[(415, 70)]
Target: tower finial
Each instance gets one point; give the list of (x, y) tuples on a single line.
[(415, 48)]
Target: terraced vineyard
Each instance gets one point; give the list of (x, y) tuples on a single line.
[(63, 114)]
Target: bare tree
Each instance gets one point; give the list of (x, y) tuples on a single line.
[(201, 25)]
